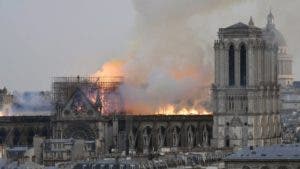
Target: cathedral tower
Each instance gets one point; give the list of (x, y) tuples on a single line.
[(246, 90)]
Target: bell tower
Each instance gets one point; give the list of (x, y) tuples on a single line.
[(245, 91)]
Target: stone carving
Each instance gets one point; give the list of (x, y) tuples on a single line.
[(160, 138), (205, 137), (146, 139), (175, 137), (236, 122), (132, 140), (190, 137)]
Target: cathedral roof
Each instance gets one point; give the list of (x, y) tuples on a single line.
[(238, 25), (241, 25), (240, 30)]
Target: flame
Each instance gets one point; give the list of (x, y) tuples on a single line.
[(115, 68), (170, 109), (112, 68)]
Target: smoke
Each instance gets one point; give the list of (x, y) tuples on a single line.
[(171, 63), (30, 103)]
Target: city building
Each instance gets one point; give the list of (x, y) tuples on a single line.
[(290, 113), (290, 98), (280, 156), (82, 111), (87, 119), (52, 151)]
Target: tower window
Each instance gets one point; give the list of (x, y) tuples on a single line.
[(231, 66), (243, 73)]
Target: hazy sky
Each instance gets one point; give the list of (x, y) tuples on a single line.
[(40, 39)]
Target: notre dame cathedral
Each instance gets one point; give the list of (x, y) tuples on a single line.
[(248, 70)]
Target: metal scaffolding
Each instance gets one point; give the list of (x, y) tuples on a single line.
[(108, 87)]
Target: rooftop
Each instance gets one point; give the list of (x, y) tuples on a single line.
[(277, 152), (240, 25)]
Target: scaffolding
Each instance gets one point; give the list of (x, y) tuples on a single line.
[(108, 87)]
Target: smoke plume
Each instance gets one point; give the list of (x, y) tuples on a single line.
[(170, 65), (30, 103), (171, 61)]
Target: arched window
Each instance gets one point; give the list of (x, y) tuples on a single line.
[(231, 65), (16, 138), (2, 135), (30, 136), (243, 70)]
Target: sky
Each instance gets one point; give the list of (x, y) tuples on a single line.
[(43, 39), (49, 38)]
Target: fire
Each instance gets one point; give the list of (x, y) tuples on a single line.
[(113, 68), (170, 109), (142, 103)]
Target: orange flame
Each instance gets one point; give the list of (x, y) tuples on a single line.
[(110, 69), (115, 68), (169, 109)]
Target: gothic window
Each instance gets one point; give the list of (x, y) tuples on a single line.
[(231, 65), (2, 135), (30, 136), (44, 132), (243, 62), (16, 138)]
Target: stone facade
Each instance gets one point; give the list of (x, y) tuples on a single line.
[(168, 133), (20, 130), (51, 151), (131, 133), (79, 118), (246, 90)]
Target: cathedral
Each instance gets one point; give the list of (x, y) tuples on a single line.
[(250, 65)]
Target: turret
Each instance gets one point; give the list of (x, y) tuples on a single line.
[(270, 21), (251, 23)]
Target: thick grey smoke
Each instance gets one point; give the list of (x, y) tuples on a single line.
[(171, 62), (173, 52), (31, 103)]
